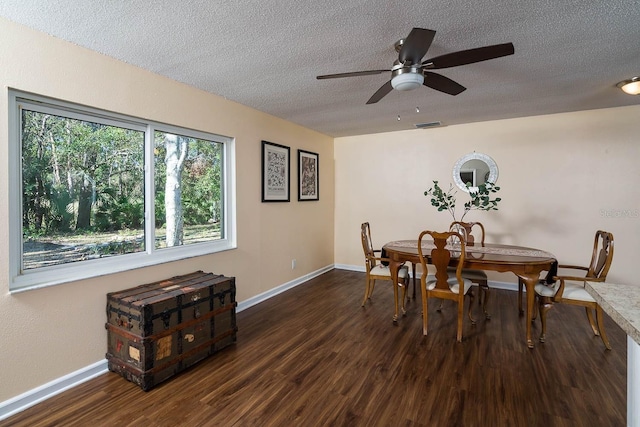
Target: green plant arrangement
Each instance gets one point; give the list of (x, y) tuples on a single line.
[(479, 200)]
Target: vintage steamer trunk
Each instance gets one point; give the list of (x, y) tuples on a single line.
[(159, 329)]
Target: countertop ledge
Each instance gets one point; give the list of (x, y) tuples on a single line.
[(621, 303)]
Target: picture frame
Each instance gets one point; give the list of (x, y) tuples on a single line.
[(308, 176), (276, 174)]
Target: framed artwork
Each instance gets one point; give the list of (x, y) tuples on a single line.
[(275, 172), (308, 176)]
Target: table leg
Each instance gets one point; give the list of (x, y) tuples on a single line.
[(413, 266), (394, 267), (530, 284)]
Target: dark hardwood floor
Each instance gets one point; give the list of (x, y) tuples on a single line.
[(313, 357)]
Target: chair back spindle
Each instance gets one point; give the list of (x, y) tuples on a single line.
[(367, 245), (440, 256), (602, 255), (473, 232)]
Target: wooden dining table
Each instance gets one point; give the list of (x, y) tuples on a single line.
[(526, 263)]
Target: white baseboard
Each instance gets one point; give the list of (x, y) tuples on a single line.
[(26, 400), (39, 394)]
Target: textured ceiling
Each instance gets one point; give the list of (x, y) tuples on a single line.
[(569, 54)]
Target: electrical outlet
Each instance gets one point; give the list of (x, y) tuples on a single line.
[(293, 264)]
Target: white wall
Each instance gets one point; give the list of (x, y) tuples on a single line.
[(48, 333), (562, 177)]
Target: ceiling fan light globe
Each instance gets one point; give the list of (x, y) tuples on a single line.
[(407, 81), (630, 86)]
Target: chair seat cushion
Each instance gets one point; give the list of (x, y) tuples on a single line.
[(545, 290), (576, 291), (572, 290), (383, 270), (453, 285)]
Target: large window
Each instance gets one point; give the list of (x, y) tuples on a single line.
[(94, 192)]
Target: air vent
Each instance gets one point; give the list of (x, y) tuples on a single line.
[(428, 125)]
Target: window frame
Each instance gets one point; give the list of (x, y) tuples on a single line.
[(21, 280)]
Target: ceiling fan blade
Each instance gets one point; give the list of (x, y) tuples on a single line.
[(380, 93), (352, 74), (469, 56), (416, 45), (442, 83)]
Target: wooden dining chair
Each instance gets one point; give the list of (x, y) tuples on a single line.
[(376, 270), (474, 236), (571, 289), (445, 285)]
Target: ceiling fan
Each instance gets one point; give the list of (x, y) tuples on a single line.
[(410, 72)]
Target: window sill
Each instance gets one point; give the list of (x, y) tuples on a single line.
[(67, 273)]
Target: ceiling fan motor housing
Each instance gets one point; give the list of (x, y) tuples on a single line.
[(406, 78)]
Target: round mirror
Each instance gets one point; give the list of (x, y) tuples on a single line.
[(475, 169)]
